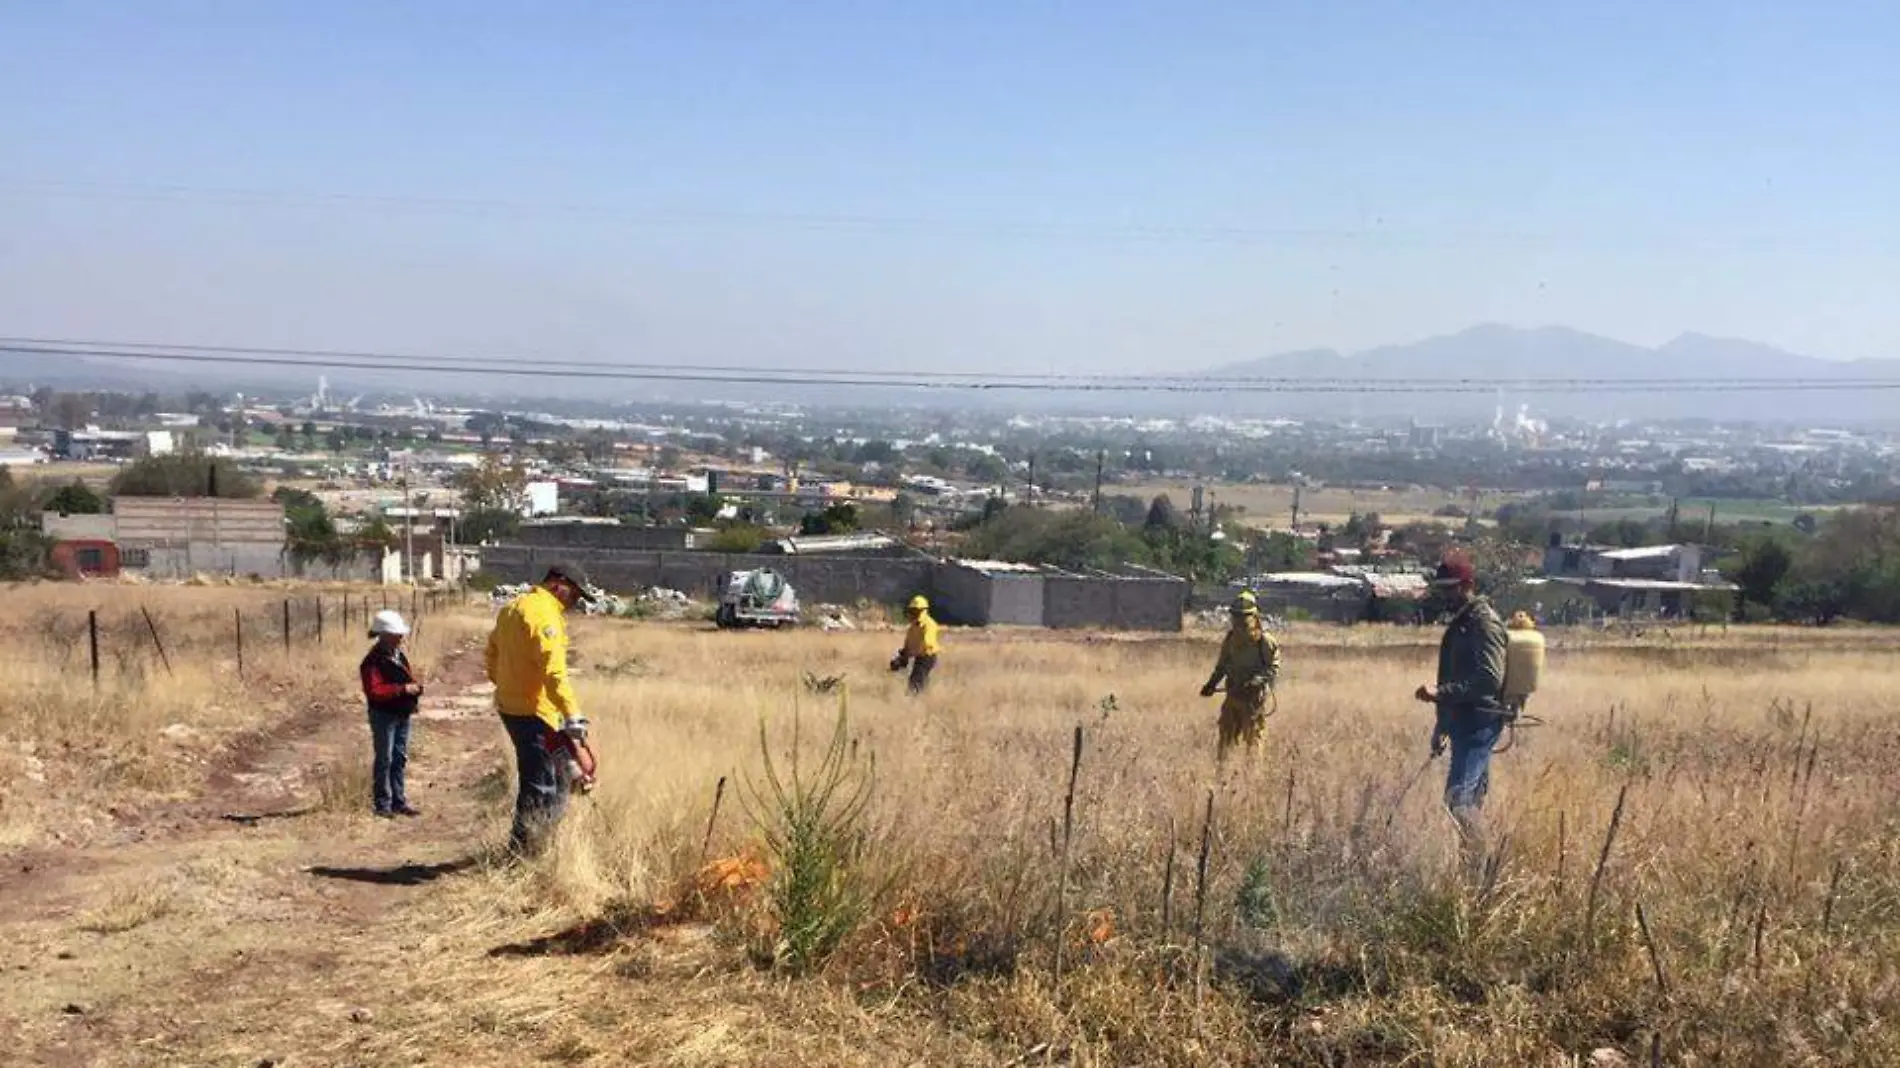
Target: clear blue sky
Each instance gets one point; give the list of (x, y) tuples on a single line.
[(1035, 186)]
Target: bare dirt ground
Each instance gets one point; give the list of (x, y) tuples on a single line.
[(162, 942), (267, 920)]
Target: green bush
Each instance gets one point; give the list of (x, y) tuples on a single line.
[(813, 824)]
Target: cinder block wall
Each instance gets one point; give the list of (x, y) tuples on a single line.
[(834, 580)]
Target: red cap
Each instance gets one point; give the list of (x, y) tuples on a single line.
[(1455, 571)]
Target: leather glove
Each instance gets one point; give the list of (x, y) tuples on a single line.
[(1209, 690), (575, 728), (899, 662)]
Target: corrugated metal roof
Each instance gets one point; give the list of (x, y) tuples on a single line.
[(1316, 579), (1648, 552), (1653, 584), (1000, 567)]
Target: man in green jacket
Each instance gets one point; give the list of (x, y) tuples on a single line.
[(1470, 710)]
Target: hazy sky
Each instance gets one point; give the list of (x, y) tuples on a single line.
[(1021, 185)]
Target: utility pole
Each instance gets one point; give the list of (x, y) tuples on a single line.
[(1100, 458), (1031, 490), (1296, 506), (1708, 529), (408, 525)]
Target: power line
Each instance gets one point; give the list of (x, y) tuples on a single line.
[(535, 367)]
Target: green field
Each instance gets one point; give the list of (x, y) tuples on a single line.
[(1696, 509)]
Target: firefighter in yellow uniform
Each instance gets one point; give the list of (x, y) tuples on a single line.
[(527, 662), (922, 643), (1249, 663)]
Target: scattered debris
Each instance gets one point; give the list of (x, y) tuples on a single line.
[(361, 1016)]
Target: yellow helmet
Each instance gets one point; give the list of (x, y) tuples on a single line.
[(919, 603), (1245, 604)]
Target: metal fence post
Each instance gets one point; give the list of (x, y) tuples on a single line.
[(286, 624), (92, 642)]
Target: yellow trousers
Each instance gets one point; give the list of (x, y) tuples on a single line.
[(1243, 719)]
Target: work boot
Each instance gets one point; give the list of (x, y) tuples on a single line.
[(405, 809)]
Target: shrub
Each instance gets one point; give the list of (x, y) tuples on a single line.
[(813, 825)]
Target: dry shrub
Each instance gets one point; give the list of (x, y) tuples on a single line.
[(131, 907)]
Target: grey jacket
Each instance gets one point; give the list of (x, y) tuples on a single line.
[(1471, 663)]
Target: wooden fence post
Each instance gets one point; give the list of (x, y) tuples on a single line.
[(92, 642), (286, 624), (153, 627), (319, 619)]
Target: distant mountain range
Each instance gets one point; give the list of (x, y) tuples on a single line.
[(1505, 363), (1512, 360)]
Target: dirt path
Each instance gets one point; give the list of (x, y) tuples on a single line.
[(145, 949)]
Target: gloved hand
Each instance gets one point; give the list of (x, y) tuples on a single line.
[(575, 728), (1438, 744), (1209, 690), (900, 662)]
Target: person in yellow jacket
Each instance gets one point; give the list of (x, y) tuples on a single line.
[(527, 662), (921, 646), (1249, 663)]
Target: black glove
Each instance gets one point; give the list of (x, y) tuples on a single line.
[(1438, 744), (1209, 690), (899, 662)]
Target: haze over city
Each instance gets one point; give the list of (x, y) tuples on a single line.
[(1037, 188)]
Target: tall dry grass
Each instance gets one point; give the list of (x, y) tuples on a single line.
[(1745, 909), (72, 749)]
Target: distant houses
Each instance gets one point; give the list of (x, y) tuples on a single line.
[(1656, 580)]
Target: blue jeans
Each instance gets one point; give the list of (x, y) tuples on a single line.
[(1472, 735), (540, 796), (389, 738)]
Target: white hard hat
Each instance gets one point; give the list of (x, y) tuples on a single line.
[(388, 621)]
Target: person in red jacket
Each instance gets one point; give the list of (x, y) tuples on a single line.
[(392, 693)]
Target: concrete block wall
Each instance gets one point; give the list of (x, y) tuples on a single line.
[(264, 561), (819, 580), (963, 595), (1114, 601), (1018, 600), (604, 536)]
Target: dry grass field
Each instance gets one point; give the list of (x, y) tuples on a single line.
[(1692, 859)]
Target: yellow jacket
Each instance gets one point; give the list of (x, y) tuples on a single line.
[(527, 660), (921, 639), (1248, 655)]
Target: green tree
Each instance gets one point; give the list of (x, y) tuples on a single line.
[(488, 524), (881, 453), (376, 532), (703, 508), (184, 475), (1761, 571), (739, 538), (23, 547), (75, 498), (839, 518), (494, 485), (987, 469), (1162, 514)]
